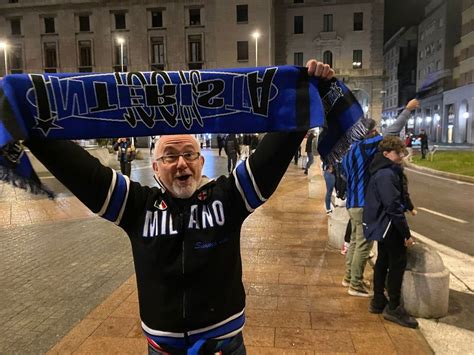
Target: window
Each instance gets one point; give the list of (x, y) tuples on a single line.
[(85, 56), (84, 23), (194, 17), (15, 25), (358, 21), (242, 50), (157, 53), (298, 1), (157, 18), (50, 57), (242, 13), (327, 58), (195, 49), (357, 59), (327, 23), (12, 1), (16, 59), (298, 24), (298, 58), (120, 21), (49, 25), (118, 57)]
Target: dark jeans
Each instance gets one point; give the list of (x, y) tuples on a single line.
[(231, 162), (330, 182), (424, 150), (390, 265), (310, 161), (235, 347), (126, 168)]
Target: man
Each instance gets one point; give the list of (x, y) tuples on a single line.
[(385, 221), (125, 154), (356, 165), (424, 143), (232, 149), (185, 233), (309, 152)]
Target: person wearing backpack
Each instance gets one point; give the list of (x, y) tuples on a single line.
[(231, 147)]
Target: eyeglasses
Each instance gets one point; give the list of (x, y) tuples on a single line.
[(173, 158)]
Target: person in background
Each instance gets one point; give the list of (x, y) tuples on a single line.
[(232, 149), (330, 179), (309, 151), (424, 143), (125, 154)]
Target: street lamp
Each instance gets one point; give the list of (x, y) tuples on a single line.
[(256, 35), (121, 41), (4, 46)]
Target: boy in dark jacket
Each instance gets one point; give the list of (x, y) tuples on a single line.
[(384, 221)]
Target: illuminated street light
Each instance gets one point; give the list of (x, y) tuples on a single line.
[(465, 115), (256, 35), (121, 41), (428, 119), (419, 119), (4, 46)]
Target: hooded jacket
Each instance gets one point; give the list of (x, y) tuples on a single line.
[(384, 200)]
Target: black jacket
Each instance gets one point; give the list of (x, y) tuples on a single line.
[(384, 200), (186, 252)]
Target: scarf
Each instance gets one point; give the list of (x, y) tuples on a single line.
[(98, 105)]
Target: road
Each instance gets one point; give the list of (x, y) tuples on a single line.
[(445, 210)]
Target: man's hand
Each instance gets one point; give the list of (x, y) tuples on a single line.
[(409, 242), (319, 69), (413, 104), (414, 212)]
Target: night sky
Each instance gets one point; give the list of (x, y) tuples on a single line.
[(399, 13)]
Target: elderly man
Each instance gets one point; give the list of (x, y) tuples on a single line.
[(185, 233)]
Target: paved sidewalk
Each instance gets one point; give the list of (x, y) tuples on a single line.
[(295, 303)]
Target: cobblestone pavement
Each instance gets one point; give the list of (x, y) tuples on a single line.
[(58, 261)]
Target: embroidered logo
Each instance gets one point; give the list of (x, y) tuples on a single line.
[(161, 206), (202, 196), (335, 93)]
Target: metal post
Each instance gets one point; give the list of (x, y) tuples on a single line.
[(121, 56)]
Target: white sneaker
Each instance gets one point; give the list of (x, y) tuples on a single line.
[(328, 211), (345, 283)]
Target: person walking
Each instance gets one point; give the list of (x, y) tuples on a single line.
[(385, 222), (424, 143), (231, 147), (125, 154), (309, 151)]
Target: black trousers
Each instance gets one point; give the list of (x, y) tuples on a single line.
[(126, 168), (390, 266), (231, 162)]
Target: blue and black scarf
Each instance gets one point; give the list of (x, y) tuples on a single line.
[(243, 100)]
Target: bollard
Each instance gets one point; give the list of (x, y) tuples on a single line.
[(425, 288), (337, 223)]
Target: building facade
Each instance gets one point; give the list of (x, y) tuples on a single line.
[(438, 33), (143, 35), (346, 34), (400, 53), (458, 103)]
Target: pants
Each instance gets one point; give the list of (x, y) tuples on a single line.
[(220, 150), (390, 265), (358, 251), (330, 180), (424, 150), (235, 347), (231, 162), (126, 167), (409, 157), (310, 161)]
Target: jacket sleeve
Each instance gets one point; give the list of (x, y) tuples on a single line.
[(395, 128), (389, 189), (100, 188)]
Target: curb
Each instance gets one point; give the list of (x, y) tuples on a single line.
[(453, 176)]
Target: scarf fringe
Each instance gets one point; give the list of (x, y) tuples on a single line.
[(356, 133), (9, 176)]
